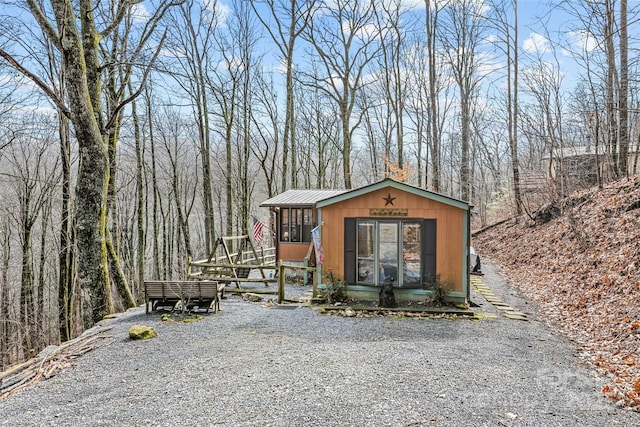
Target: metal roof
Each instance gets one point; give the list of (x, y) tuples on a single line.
[(300, 197), (322, 198)]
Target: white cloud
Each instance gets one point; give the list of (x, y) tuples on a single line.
[(18, 80), (491, 39), (281, 68), (417, 4), (140, 13), (367, 32), (219, 10), (536, 44), (583, 40)]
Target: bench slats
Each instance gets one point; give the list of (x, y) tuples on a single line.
[(172, 291)]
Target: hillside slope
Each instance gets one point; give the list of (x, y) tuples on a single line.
[(581, 264)]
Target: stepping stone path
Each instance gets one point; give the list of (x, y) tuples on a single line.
[(507, 311)]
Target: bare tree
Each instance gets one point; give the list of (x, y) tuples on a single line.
[(432, 14), (505, 14), (175, 143), (141, 196), (378, 129), (596, 22), (623, 92), (346, 42), (194, 50), (319, 137), (462, 35), (34, 181), (611, 82), (7, 326), (393, 21), (247, 40), (76, 35), (289, 19), (265, 140), (224, 82), (417, 107), (543, 82)]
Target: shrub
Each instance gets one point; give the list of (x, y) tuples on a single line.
[(336, 289)]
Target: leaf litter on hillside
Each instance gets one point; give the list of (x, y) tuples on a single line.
[(582, 269)]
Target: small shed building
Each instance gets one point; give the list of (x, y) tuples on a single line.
[(388, 231)]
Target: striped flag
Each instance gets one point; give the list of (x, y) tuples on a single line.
[(317, 245), (258, 229)]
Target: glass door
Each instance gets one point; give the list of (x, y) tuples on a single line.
[(366, 272), (388, 252), (411, 254)]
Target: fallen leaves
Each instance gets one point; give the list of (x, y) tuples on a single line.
[(582, 269)]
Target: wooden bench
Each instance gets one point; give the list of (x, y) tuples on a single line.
[(193, 293)]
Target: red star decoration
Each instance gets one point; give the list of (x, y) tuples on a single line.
[(388, 200)]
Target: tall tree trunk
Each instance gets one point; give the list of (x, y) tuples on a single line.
[(27, 315), (287, 139), (623, 94), (121, 282), (229, 180), (244, 167), (6, 326), (141, 198), (157, 254), (436, 144), (512, 100), (66, 257), (43, 326), (205, 153), (465, 134), (346, 142), (113, 246), (91, 216), (612, 125), (298, 13), (79, 61)]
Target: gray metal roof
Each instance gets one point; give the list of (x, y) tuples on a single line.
[(300, 197)]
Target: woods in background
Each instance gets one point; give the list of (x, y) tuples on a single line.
[(143, 131)]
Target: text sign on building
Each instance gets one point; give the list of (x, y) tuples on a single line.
[(388, 212)]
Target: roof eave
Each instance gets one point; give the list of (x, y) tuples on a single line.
[(388, 182)]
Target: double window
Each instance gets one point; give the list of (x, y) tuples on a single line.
[(296, 224), (398, 251)]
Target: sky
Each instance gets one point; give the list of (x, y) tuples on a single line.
[(534, 16)]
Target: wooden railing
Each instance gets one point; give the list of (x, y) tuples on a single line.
[(228, 273)]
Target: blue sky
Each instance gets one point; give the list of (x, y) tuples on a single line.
[(534, 16)]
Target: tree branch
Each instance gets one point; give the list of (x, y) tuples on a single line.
[(44, 23), (41, 84), (116, 111)]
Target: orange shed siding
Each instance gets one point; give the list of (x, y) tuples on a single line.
[(292, 251), (449, 229)]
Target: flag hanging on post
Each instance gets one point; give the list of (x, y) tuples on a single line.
[(317, 244), (258, 229)]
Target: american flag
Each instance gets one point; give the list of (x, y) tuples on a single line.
[(258, 229)]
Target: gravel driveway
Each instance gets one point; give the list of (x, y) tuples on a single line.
[(250, 365)]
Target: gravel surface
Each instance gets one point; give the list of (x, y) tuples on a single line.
[(253, 365)]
